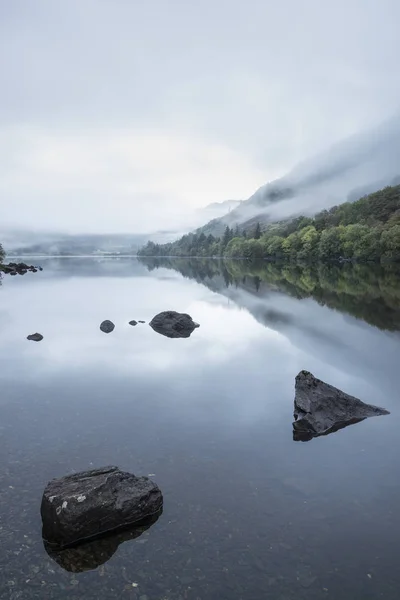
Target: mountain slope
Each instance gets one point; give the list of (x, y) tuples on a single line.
[(366, 230), (361, 164)]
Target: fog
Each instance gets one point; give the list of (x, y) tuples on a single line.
[(129, 117), (361, 164)]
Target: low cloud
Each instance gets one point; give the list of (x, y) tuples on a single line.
[(115, 180)]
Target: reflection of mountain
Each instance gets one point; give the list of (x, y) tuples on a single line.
[(91, 555), (365, 292), (296, 303)]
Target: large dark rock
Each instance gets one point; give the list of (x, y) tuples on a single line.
[(173, 324), (107, 326), (83, 506), (35, 337), (320, 408), (90, 555)]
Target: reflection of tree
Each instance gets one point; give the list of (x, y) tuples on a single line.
[(367, 292)]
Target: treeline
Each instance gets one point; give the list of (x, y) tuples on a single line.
[(365, 230), (196, 244)]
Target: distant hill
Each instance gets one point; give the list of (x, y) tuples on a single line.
[(20, 242)]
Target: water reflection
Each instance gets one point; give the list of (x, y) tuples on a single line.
[(300, 434), (368, 292), (90, 555)]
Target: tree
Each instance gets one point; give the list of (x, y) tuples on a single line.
[(235, 248), (291, 245), (228, 235), (273, 246), (257, 232), (309, 238), (329, 246), (391, 243)]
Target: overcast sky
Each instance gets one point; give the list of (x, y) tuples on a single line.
[(122, 115)]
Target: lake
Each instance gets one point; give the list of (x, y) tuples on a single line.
[(249, 513)]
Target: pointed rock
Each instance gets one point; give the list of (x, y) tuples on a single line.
[(320, 408)]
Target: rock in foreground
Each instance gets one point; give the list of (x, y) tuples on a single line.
[(320, 408), (133, 323), (173, 324), (35, 337), (107, 326), (84, 506)]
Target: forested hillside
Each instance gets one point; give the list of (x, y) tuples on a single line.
[(368, 229)]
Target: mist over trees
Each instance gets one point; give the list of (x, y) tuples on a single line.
[(365, 230)]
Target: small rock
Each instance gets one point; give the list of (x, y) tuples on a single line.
[(141, 321), (35, 337), (107, 326), (133, 323)]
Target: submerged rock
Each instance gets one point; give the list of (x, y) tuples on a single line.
[(133, 323), (320, 408), (35, 337), (107, 326), (90, 555), (173, 324), (86, 505)]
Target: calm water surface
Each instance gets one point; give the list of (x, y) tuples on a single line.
[(248, 513)]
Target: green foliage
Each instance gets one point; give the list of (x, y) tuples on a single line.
[(365, 230), (2, 253)]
